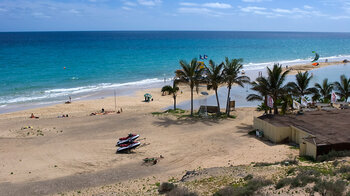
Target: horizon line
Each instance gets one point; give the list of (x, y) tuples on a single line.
[(263, 31)]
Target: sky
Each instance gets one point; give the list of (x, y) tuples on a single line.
[(220, 15)]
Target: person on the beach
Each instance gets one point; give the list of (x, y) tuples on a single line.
[(32, 116), (102, 110)]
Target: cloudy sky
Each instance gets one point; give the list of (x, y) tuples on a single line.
[(249, 15)]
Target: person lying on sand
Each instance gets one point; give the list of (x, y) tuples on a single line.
[(32, 116), (63, 116)]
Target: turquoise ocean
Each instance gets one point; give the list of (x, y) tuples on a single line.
[(41, 68)]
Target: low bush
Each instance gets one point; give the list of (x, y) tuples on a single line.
[(304, 177), (285, 162), (246, 190), (165, 187), (291, 171), (332, 155), (181, 191), (344, 169), (330, 187), (248, 177), (283, 182)]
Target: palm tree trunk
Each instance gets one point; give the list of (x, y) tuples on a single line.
[(228, 101), (174, 102), (191, 101), (217, 100), (275, 109), (265, 102)]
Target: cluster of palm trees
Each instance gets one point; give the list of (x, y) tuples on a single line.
[(283, 94), (213, 75)]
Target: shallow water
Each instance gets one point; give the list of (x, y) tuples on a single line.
[(41, 68)]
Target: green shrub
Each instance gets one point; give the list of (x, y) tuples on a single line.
[(306, 158), (248, 177), (344, 169), (291, 171), (283, 182), (285, 162), (304, 177), (165, 187), (252, 132), (330, 187), (181, 191), (332, 155), (248, 189)]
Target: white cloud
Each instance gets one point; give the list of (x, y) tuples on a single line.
[(126, 8), (339, 17), (307, 7), (193, 10), (252, 9), (203, 9), (149, 3), (217, 5), (208, 5), (254, 1), (129, 3), (188, 4), (74, 11), (40, 15), (200, 11), (278, 10)]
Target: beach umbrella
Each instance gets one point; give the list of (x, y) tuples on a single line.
[(147, 95)]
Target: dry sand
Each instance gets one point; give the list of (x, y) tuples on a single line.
[(64, 154), (307, 67)]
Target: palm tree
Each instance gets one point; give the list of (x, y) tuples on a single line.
[(272, 85), (261, 86), (171, 90), (300, 87), (275, 80), (325, 90), (343, 87), (214, 79), (190, 74), (231, 76)]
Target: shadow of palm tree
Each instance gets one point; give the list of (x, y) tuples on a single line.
[(246, 128), (166, 121)]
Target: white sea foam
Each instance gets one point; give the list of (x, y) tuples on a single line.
[(54, 93), (61, 92)]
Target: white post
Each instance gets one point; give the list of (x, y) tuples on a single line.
[(115, 102)]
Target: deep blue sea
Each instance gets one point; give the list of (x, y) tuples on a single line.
[(47, 67)]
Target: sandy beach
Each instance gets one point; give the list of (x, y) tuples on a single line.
[(57, 155), (62, 149), (307, 67)]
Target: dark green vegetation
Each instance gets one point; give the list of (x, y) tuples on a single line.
[(246, 189), (287, 177), (283, 95), (212, 75), (171, 90), (173, 190)]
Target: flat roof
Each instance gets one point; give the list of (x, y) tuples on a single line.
[(328, 127)]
